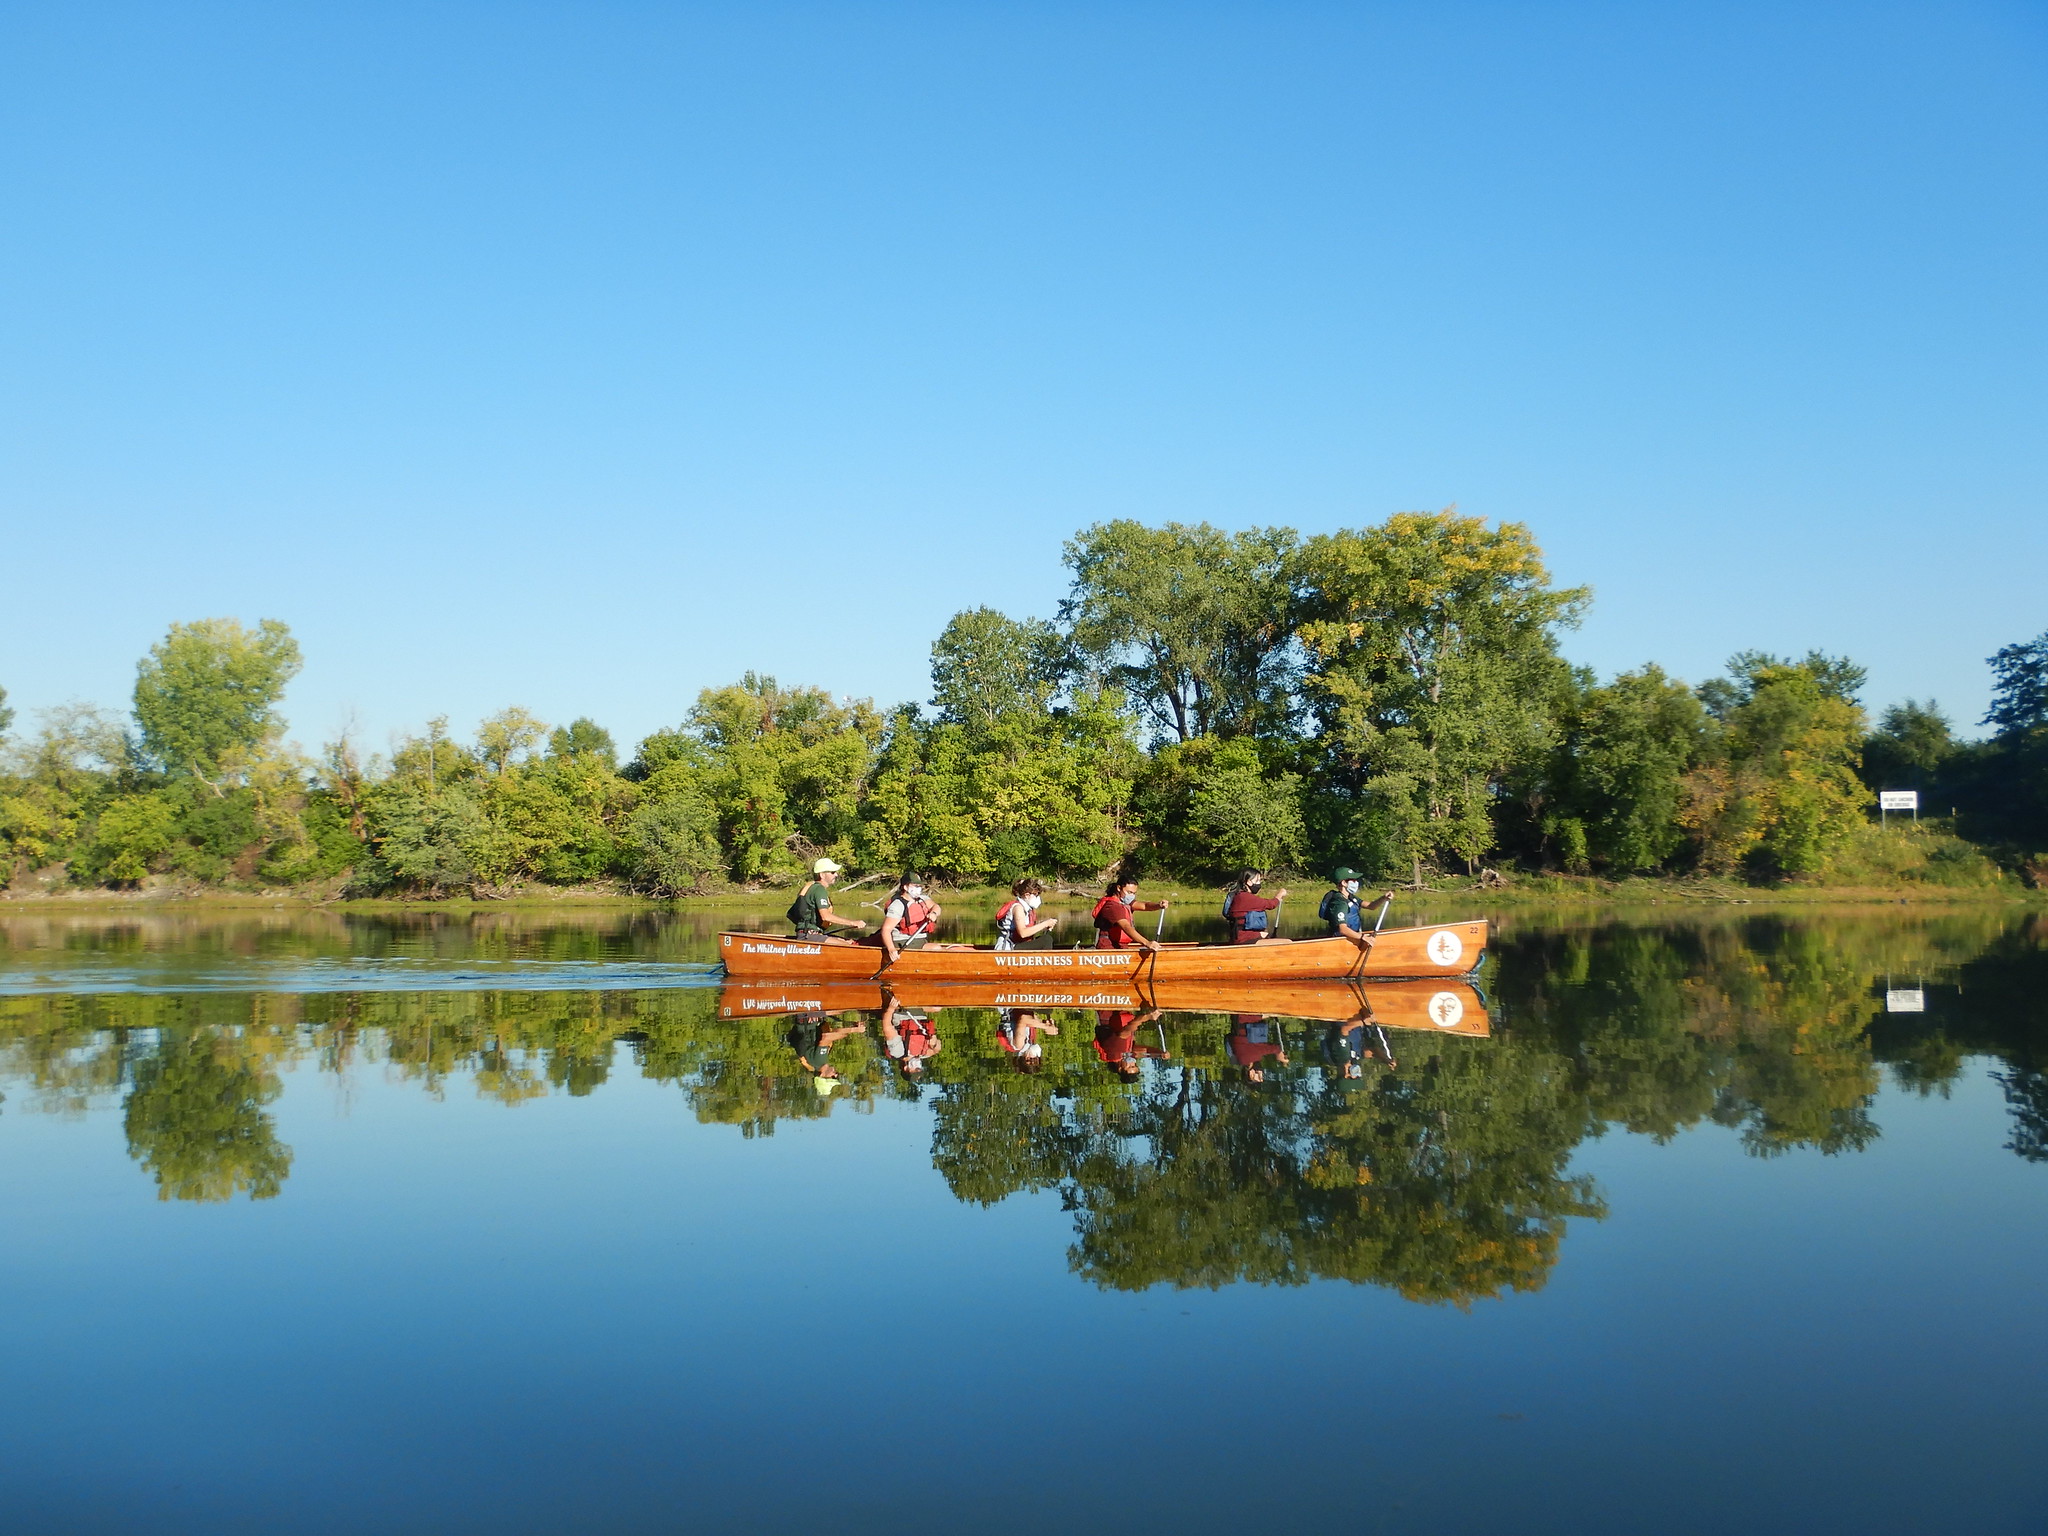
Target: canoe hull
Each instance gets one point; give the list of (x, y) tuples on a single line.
[(1439, 950)]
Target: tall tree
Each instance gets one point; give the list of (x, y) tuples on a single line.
[(2019, 688), (1783, 791), (206, 695), (1192, 622), (1614, 787), (502, 739), (988, 668), (1432, 667), (1911, 744)]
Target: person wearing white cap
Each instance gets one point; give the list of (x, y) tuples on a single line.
[(811, 913)]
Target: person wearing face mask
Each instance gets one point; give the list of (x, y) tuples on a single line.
[(911, 920), (1017, 919), (1340, 907), (1250, 914)]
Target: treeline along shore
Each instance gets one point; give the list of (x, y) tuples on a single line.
[(1390, 697)]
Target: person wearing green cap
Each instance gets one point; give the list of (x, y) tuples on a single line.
[(1340, 907)]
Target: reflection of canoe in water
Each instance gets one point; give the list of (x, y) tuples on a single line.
[(1441, 1007), (1446, 949)]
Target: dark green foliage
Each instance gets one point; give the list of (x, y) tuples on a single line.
[(1909, 748), (1612, 794), (988, 670), (423, 838), (1209, 808), (2019, 694)]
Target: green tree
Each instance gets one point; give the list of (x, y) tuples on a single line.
[(2019, 693), (1909, 748), (1434, 674), (6, 714), (672, 842), (1209, 808), (584, 737), (503, 738), (1614, 787), (988, 669), (206, 695), (786, 768), (131, 834), (1782, 793), (425, 836), (52, 785), (1190, 621)]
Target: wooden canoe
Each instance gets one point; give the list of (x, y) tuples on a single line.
[(1439, 1007), (1442, 949)]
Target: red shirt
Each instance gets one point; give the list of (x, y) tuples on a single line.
[(1240, 904), (1110, 916)]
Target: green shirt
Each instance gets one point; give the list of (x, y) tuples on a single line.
[(810, 907)]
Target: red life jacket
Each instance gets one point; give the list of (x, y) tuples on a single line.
[(916, 919)]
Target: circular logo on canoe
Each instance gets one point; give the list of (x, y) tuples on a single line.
[(1445, 947), (1446, 1010)]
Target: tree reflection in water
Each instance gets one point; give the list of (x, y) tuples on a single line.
[(1445, 1176)]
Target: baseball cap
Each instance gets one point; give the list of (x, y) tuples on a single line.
[(1345, 872), (824, 867)]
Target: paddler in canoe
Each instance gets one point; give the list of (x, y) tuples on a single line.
[(811, 913), (1340, 908), (911, 920), (1113, 926), (1017, 919), (1251, 914)]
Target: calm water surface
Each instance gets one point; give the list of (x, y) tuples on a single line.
[(338, 1223)]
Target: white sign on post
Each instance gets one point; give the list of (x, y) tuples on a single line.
[(1898, 799), (1905, 1000)]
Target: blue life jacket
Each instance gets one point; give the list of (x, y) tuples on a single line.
[(1339, 910)]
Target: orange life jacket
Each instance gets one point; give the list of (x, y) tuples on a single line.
[(917, 918)]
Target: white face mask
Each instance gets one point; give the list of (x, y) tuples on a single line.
[(1350, 887), (1031, 902), (914, 892)]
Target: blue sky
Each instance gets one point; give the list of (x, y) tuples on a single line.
[(583, 356)]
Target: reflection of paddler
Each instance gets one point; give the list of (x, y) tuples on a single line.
[(907, 1036), (812, 1040), (1116, 1040), (1253, 1038), (1017, 1031)]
